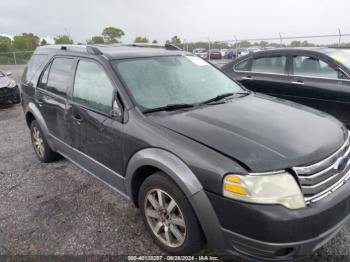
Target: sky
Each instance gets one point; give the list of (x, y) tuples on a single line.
[(193, 20)]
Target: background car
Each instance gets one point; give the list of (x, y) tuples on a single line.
[(223, 52), (230, 54), (201, 52), (316, 77), (9, 93), (253, 49), (214, 54), (242, 51)]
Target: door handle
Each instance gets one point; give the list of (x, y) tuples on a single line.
[(40, 101), (299, 82), (247, 78), (77, 118)]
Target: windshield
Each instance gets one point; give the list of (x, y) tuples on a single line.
[(160, 81), (1, 74), (342, 57)]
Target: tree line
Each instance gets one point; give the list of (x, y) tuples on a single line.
[(111, 35), (29, 41)]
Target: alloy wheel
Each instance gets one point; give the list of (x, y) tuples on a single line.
[(165, 218), (38, 142)]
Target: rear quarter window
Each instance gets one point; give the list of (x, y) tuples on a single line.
[(242, 66), (33, 66)]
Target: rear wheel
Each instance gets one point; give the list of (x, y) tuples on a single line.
[(40, 145), (169, 216)]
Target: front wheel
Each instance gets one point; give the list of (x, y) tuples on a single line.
[(169, 216)]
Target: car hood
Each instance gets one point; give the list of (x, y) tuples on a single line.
[(261, 132), (4, 81)]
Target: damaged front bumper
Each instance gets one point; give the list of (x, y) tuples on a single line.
[(9, 95)]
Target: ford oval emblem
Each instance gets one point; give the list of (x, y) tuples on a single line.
[(341, 163)]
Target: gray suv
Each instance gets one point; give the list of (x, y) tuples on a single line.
[(203, 158)]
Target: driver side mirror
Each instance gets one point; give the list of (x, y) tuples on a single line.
[(117, 109), (8, 73)]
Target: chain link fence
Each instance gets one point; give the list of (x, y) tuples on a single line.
[(15, 58), (239, 45), (339, 40)]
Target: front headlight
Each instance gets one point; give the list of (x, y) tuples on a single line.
[(265, 188), (12, 84)]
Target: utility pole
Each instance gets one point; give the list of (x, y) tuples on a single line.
[(280, 39), (209, 49)]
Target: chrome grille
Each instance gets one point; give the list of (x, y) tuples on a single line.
[(321, 179)]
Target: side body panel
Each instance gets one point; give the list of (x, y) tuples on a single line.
[(267, 83), (54, 111), (321, 93)]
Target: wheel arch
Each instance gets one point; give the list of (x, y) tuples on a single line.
[(148, 161), (32, 112), (29, 118), (156, 159)]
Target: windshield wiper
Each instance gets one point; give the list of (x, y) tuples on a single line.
[(169, 107), (217, 98), (222, 96)]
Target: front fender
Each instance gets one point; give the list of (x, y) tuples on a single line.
[(169, 163), (182, 175)]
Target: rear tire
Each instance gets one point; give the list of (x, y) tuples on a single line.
[(40, 145), (169, 217)]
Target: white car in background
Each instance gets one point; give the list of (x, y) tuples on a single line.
[(201, 52), (9, 92), (223, 52)]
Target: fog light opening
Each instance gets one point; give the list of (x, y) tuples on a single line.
[(284, 252)]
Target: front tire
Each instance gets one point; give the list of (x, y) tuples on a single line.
[(40, 145), (169, 216)]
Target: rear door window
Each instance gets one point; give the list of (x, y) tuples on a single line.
[(60, 75), (92, 87), (312, 66), (271, 64)]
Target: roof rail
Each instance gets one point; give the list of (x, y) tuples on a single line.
[(93, 50), (143, 45), (169, 46), (166, 46), (74, 48)]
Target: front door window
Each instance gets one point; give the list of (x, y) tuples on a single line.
[(313, 67)]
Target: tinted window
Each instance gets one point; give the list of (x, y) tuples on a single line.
[(60, 75), (160, 81), (33, 66), (310, 66), (272, 64), (2, 74), (92, 87), (243, 66)]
